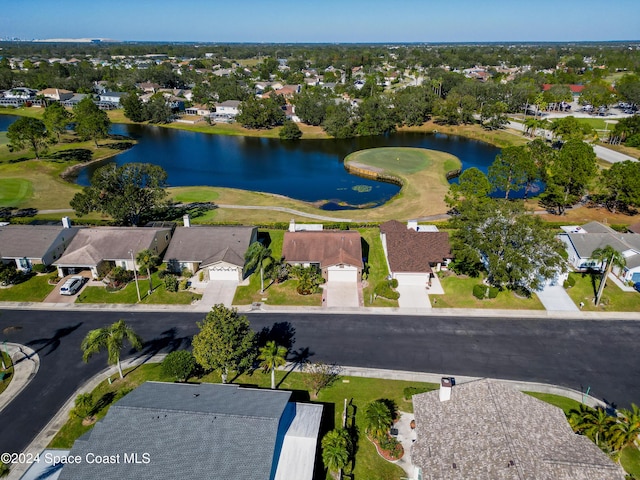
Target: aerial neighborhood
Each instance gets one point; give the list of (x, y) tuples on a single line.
[(292, 261)]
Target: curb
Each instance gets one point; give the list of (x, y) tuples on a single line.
[(26, 364)]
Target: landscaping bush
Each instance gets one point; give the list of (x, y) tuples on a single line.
[(409, 392), (39, 268), (83, 405), (480, 291), (120, 275), (392, 446), (170, 283), (493, 292), (186, 273), (383, 289), (184, 284), (201, 276), (179, 364), (394, 283), (569, 282)]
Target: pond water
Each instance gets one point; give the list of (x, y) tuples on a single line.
[(309, 170)]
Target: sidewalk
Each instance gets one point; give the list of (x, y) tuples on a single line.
[(25, 366), (262, 308)]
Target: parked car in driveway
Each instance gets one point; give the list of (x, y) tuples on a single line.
[(637, 286), (72, 286)]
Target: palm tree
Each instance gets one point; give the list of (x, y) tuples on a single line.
[(147, 260), (378, 418), (609, 257), (272, 356), (628, 428), (111, 338), (336, 449), (597, 424), (255, 257)]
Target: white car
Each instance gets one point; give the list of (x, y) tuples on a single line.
[(72, 286)]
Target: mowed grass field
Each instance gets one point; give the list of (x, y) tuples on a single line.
[(422, 172), (14, 191)]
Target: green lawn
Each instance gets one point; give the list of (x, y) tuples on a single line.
[(369, 465), (396, 159), (14, 191), (630, 461), (4, 140), (8, 373), (613, 299), (128, 294), (566, 404), (194, 194), (35, 289), (274, 294), (459, 294), (377, 267)]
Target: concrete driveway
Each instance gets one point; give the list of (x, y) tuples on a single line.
[(556, 298), (341, 294), (56, 297), (219, 291), (413, 296)]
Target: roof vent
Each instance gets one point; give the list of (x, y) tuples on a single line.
[(292, 225)]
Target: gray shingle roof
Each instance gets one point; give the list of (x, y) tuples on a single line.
[(490, 431), (189, 432), (91, 245), (31, 241), (208, 245)]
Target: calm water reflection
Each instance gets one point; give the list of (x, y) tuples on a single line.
[(309, 170)]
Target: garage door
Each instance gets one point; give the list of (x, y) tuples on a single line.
[(219, 273), (420, 279), (342, 274)]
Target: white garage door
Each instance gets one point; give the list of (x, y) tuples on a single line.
[(221, 273), (420, 279), (342, 274)]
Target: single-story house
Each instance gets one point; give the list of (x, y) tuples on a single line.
[(101, 248), (201, 431), (581, 241), (218, 251), (75, 99), (414, 252), (337, 253), (57, 94), (148, 87), (487, 430), (21, 93), (200, 110), (27, 245)]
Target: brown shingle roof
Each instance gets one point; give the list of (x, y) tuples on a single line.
[(329, 247), (634, 228), (411, 251)]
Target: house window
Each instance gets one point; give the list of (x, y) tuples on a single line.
[(123, 264)]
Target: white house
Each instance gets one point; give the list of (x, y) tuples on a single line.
[(229, 108), (581, 241), (112, 97), (21, 93)]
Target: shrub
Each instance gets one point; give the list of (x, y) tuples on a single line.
[(480, 291), (201, 276), (179, 365), (39, 268), (409, 392), (383, 289), (8, 274), (290, 131), (493, 292), (392, 446), (184, 284), (120, 275), (394, 283), (569, 282), (170, 283), (186, 273)]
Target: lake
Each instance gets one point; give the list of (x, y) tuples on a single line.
[(308, 170)]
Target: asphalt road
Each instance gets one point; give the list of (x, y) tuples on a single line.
[(573, 353)]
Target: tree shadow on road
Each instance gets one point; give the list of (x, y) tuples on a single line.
[(51, 343)]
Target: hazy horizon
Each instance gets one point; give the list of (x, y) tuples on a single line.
[(331, 21)]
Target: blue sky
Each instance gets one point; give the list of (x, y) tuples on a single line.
[(323, 20)]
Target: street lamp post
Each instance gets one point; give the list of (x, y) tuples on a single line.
[(135, 275)]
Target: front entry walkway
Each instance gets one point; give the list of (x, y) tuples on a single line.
[(556, 298), (219, 291)]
